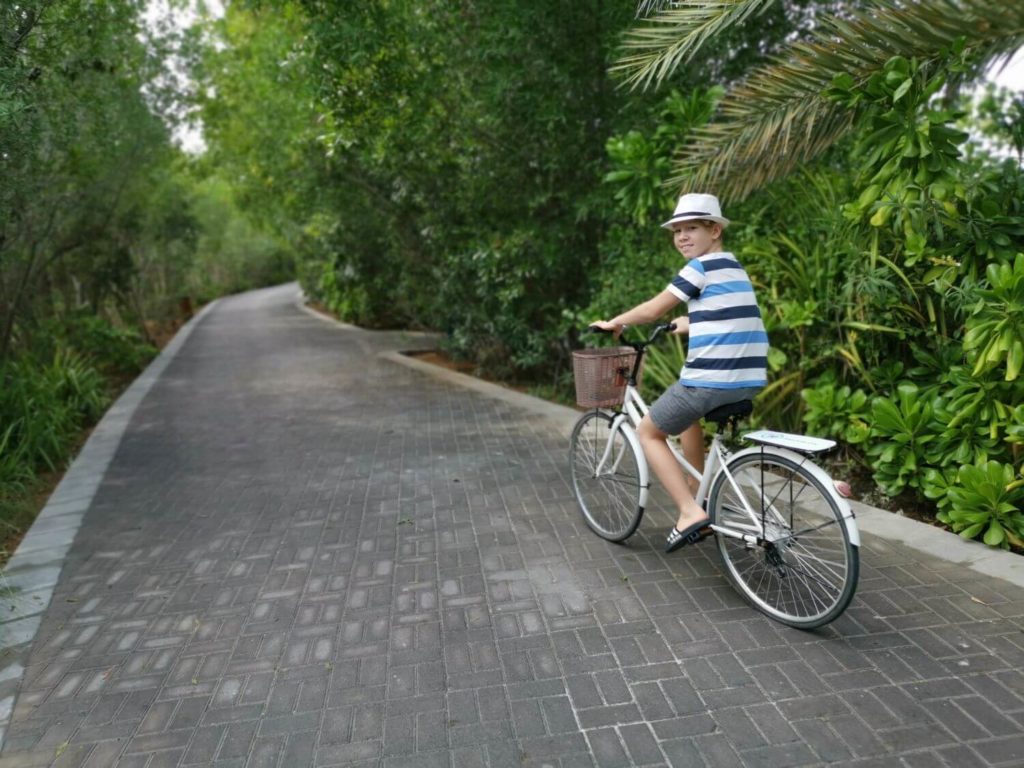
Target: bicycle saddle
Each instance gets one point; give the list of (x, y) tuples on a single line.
[(731, 412)]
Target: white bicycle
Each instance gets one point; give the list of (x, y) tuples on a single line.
[(787, 537)]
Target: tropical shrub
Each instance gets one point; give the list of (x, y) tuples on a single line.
[(901, 430), (988, 501), (995, 327), (837, 411), (662, 365)]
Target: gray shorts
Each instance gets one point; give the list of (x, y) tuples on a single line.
[(680, 406)]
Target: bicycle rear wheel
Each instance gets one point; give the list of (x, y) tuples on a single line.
[(607, 476), (803, 570)]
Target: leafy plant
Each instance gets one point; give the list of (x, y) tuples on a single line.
[(935, 485), (43, 406), (640, 163), (1015, 430), (837, 412), (114, 349), (995, 328), (782, 115), (14, 470), (960, 441), (987, 501), (900, 433), (971, 411), (662, 364)]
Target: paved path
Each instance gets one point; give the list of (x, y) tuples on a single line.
[(305, 554)]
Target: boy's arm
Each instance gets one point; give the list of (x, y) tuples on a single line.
[(647, 312)]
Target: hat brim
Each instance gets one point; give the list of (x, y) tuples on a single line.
[(676, 219)]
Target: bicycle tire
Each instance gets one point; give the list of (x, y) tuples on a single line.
[(612, 503), (804, 571)]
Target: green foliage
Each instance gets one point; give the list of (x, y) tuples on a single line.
[(910, 155), (782, 115), (900, 434), (640, 163), (972, 409), (512, 309), (837, 412), (1001, 118), (662, 365), (1015, 428), (44, 404), (114, 350), (987, 501), (98, 211), (995, 328)]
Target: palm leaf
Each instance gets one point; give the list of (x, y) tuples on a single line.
[(779, 117), (650, 7), (674, 32)]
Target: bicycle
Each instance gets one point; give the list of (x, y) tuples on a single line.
[(785, 534)]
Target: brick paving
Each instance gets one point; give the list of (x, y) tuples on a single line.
[(305, 555)]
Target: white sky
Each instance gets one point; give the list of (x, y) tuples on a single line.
[(1013, 76)]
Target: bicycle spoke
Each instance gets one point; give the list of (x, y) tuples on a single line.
[(804, 572), (606, 478)]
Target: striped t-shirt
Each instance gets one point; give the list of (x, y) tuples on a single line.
[(728, 346)]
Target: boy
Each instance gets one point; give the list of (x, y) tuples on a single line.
[(726, 359)]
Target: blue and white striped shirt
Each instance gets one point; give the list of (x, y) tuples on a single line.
[(728, 346)]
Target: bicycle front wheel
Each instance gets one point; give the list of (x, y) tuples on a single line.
[(803, 569), (607, 475)]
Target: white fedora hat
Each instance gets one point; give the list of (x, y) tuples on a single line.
[(697, 206)]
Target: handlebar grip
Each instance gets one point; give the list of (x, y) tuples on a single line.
[(597, 329)]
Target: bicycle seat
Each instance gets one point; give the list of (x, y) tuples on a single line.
[(732, 412)]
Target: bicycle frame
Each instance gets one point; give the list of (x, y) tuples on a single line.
[(632, 411), (634, 408)]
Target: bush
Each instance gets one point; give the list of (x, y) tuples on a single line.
[(987, 501), (837, 412), (115, 350), (45, 405)]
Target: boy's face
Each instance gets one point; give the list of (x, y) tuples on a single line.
[(695, 238)]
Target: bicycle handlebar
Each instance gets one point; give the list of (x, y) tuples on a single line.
[(638, 345)]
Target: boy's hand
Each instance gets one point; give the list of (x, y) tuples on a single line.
[(682, 325), (605, 325)]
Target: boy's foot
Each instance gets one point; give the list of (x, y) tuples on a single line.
[(689, 535)]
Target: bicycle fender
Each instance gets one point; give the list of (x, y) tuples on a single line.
[(849, 519), (622, 422)]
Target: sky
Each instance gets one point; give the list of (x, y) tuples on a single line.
[(1012, 76)]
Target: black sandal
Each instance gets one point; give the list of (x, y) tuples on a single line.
[(689, 535)]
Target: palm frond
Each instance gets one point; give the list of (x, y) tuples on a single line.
[(779, 118), (649, 7), (674, 32)]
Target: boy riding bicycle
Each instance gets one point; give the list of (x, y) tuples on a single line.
[(726, 359)]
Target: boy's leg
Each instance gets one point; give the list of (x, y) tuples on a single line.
[(669, 473), (692, 443)]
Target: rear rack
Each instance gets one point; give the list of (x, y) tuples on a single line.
[(801, 443)]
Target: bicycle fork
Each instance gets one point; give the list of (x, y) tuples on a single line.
[(610, 460)]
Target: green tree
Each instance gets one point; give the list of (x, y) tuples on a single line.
[(781, 115)]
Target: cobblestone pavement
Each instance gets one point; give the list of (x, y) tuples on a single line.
[(303, 554)]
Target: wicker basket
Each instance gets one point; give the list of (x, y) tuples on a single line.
[(601, 375)]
